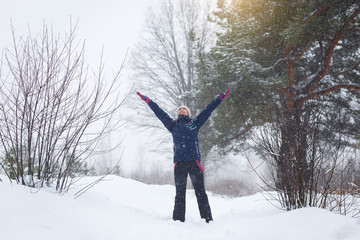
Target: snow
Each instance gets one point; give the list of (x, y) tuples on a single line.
[(119, 208)]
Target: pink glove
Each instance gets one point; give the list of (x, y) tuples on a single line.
[(223, 95), (145, 98)]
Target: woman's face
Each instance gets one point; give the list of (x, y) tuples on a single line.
[(183, 111)]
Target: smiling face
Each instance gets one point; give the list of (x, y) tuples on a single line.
[(182, 111)]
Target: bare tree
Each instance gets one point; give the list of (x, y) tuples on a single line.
[(53, 109), (164, 61)]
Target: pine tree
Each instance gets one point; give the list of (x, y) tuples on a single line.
[(295, 65)]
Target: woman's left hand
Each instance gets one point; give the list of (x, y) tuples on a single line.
[(223, 95)]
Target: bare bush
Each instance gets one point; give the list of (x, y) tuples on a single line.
[(156, 175), (327, 180), (230, 187), (53, 110)]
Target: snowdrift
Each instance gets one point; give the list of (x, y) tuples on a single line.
[(119, 208)]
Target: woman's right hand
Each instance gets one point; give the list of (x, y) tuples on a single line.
[(144, 98)]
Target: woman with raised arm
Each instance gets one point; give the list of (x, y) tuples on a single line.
[(187, 158)]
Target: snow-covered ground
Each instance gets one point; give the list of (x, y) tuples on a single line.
[(119, 208)]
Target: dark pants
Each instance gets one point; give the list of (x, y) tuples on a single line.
[(181, 171)]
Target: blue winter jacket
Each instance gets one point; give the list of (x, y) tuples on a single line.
[(185, 130)]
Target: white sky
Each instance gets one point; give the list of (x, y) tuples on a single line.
[(112, 24)]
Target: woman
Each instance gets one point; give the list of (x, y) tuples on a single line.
[(186, 153)]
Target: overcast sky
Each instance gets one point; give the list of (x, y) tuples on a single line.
[(114, 24)]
